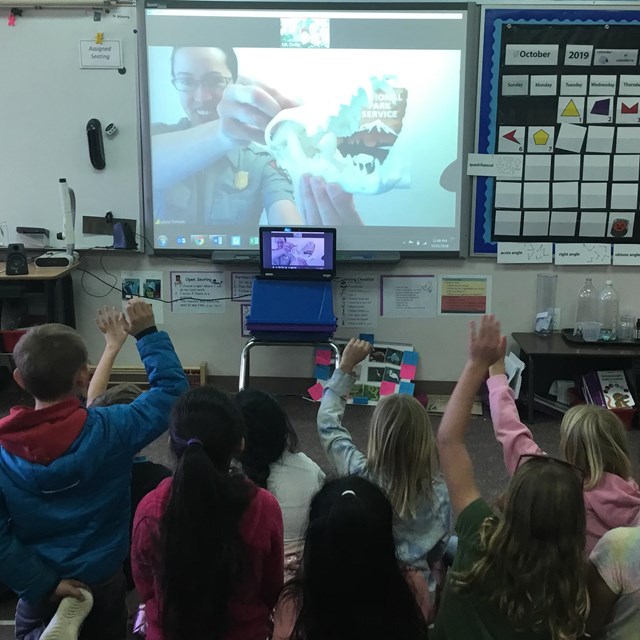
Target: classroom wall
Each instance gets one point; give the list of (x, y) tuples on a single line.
[(441, 341)]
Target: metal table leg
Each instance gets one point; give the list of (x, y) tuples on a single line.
[(245, 364)]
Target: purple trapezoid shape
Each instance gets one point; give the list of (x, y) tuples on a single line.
[(601, 107)]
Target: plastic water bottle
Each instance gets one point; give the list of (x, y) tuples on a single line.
[(587, 306), (608, 312)]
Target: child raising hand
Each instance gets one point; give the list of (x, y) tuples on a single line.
[(401, 458)]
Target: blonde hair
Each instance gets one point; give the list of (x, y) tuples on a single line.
[(402, 454), (532, 567), (593, 439)]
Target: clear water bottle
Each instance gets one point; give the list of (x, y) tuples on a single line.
[(587, 306), (608, 310)]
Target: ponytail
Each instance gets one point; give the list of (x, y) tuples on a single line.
[(269, 434), (202, 558)]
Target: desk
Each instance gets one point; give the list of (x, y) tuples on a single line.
[(573, 358), (47, 281)]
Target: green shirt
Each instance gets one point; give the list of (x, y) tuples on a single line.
[(463, 616), (234, 190)]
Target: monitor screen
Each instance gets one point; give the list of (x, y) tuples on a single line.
[(297, 252), (343, 118)]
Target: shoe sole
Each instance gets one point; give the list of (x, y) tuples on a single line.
[(66, 623)]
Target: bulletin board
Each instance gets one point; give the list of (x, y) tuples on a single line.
[(62, 68), (559, 92)]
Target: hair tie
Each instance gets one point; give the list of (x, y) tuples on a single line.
[(194, 441), (348, 492)]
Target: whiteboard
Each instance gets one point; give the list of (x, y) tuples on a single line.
[(47, 100)]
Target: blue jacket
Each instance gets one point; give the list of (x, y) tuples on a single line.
[(70, 518)]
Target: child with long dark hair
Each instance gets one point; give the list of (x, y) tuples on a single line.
[(270, 459), (521, 575), (207, 551), (350, 585)]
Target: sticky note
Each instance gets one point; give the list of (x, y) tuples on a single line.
[(593, 224), (595, 168), (369, 337), (593, 195), (538, 167), (323, 356), (535, 223), (315, 391), (508, 194), (563, 223), (600, 139), (407, 388), (566, 167), (507, 223), (410, 357), (322, 371), (570, 137), (627, 139), (408, 371), (360, 400), (565, 195), (624, 196), (387, 388), (536, 195), (626, 168)]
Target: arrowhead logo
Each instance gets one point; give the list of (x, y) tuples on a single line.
[(511, 136)]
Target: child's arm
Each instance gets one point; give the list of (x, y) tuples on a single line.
[(146, 418), (335, 439), (455, 462), (515, 438), (113, 325)]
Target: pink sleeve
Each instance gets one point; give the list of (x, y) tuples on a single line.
[(515, 438), (273, 569), (145, 532), (284, 618)]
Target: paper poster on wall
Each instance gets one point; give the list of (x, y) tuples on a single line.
[(525, 252), (389, 369), (356, 301), (576, 253), (241, 286), (244, 312), (464, 295), (197, 291), (147, 285), (626, 254), (408, 296)]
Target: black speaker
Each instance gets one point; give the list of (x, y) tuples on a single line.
[(17, 260)]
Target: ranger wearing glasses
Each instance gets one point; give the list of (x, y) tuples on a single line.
[(207, 168)]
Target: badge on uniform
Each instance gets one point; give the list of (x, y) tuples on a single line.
[(241, 180)]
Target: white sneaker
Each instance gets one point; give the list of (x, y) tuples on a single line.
[(71, 613)]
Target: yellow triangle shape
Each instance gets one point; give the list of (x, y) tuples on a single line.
[(570, 111)]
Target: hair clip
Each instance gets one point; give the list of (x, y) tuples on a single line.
[(348, 492), (194, 441)]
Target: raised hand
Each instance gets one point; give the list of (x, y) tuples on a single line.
[(354, 353), (112, 323), (139, 315), (486, 344), (326, 204), (246, 108)]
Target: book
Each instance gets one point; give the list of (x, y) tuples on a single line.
[(615, 390)]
